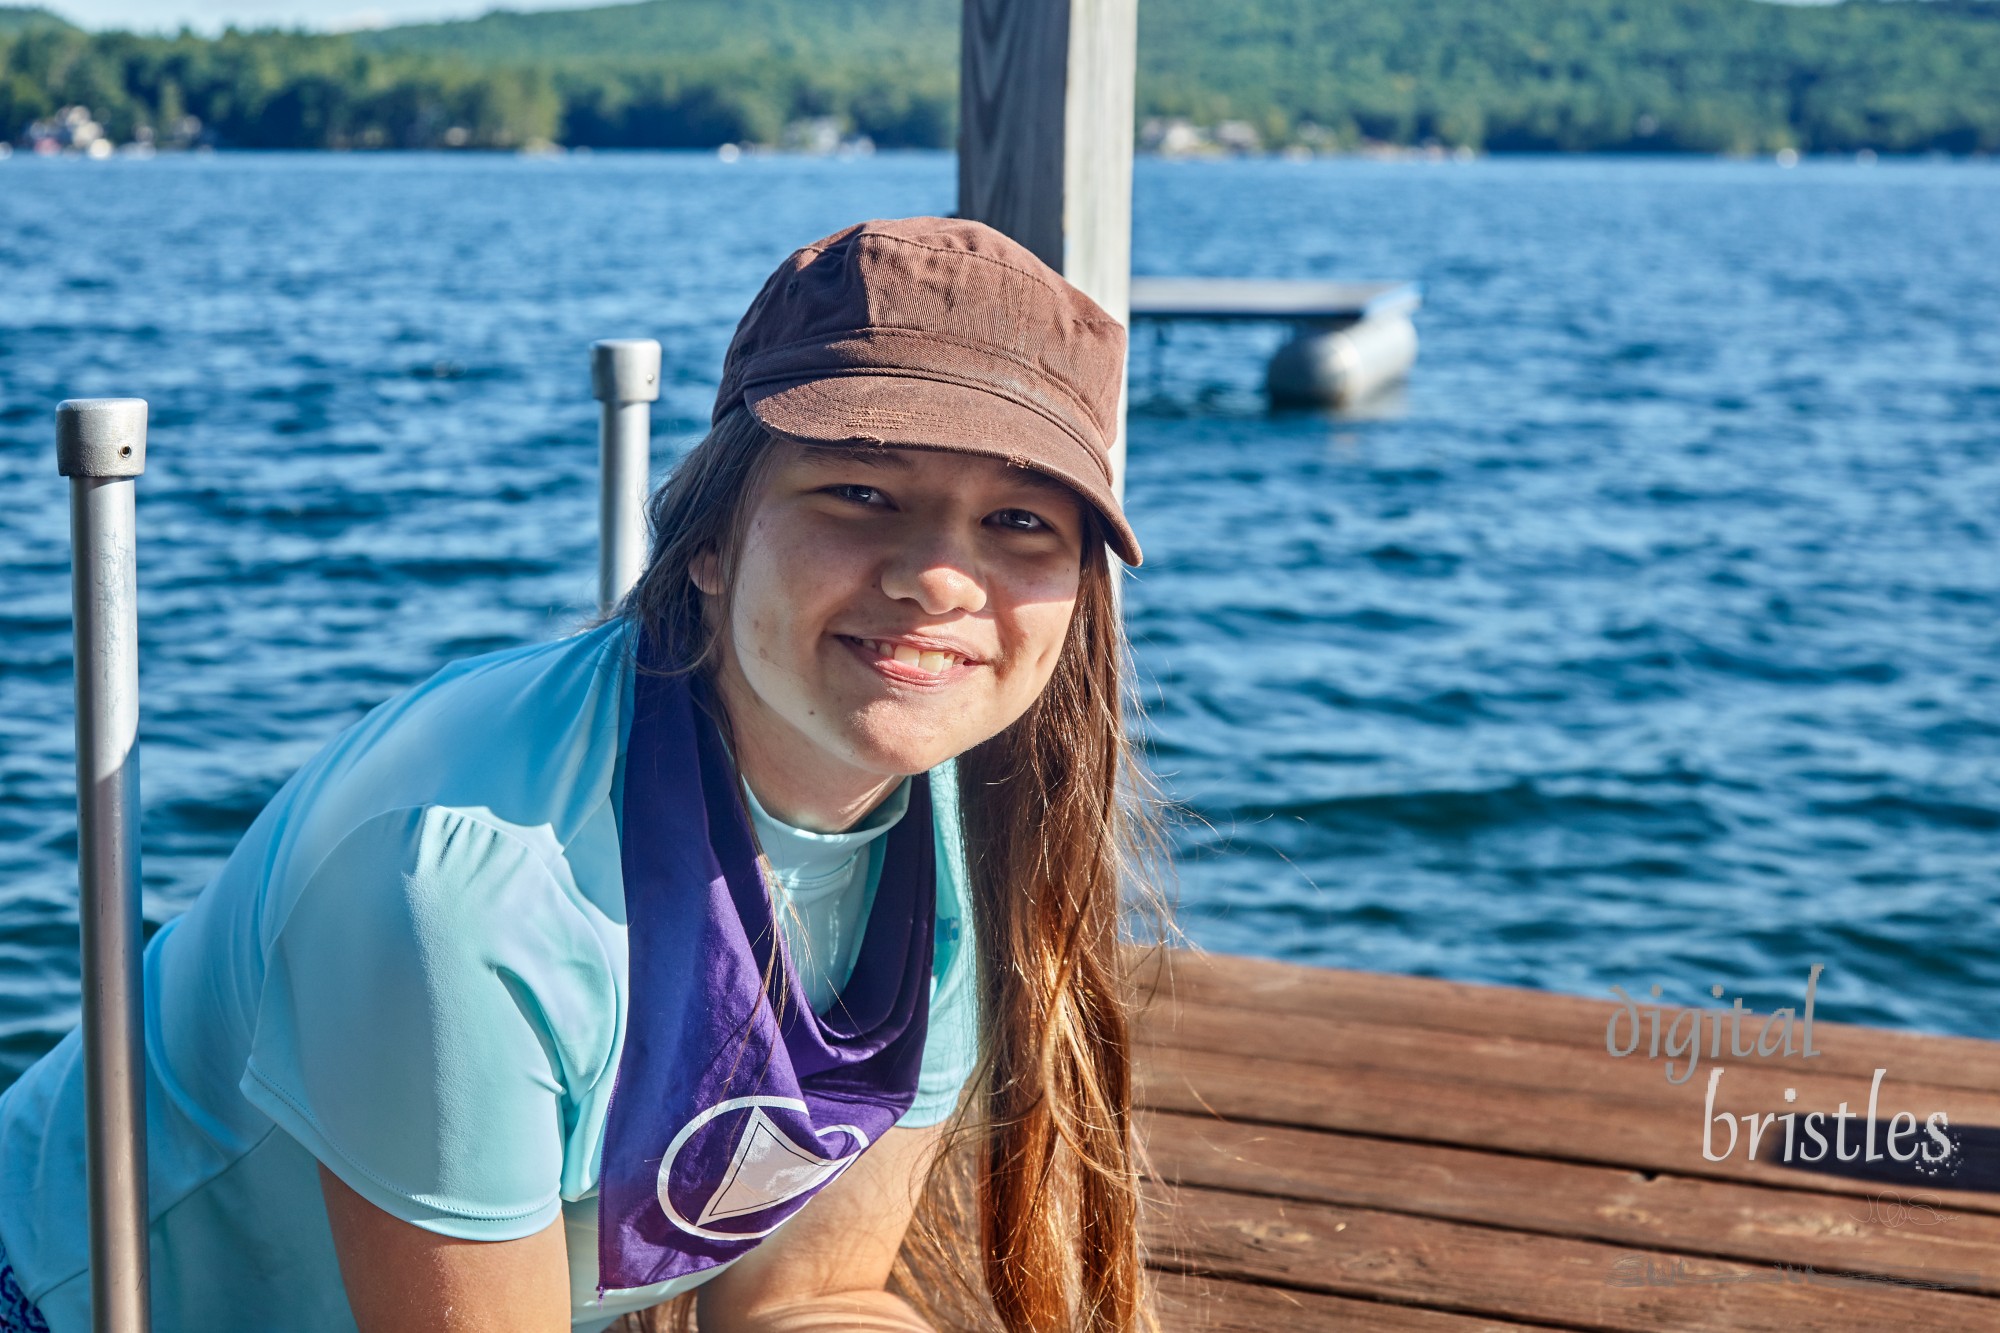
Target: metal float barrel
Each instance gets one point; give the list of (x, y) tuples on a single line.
[(1341, 366)]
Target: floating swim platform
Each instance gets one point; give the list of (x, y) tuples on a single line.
[(1295, 300), (1353, 339)]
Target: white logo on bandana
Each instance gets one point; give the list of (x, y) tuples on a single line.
[(766, 1169)]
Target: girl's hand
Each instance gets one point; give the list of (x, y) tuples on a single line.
[(861, 1312)]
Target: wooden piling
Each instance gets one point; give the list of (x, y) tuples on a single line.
[(1045, 140)]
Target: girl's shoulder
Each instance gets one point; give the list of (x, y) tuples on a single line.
[(525, 741), (443, 939)]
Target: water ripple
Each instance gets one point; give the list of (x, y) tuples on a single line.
[(1652, 635)]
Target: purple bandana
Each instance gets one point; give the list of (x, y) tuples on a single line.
[(733, 1106)]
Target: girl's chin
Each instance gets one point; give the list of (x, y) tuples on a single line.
[(902, 761), (902, 751)]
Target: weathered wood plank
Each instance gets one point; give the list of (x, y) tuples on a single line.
[(1664, 1213), (1179, 978), (1337, 1044), (1188, 1304), (1462, 1092), (1486, 1271)]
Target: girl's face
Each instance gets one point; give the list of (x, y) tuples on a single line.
[(893, 607)]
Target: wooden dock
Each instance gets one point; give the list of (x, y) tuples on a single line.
[(1357, 1151)]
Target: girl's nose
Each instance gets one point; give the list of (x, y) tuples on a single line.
[(938, 570)]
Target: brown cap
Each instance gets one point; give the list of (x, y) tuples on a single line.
[(936, 333)]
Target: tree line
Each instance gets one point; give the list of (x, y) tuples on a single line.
[(288, 90), (1498, 75), (1555, 75)]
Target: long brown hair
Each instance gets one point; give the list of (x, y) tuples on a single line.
[(1041, 1179)]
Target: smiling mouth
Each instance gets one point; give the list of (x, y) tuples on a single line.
[(922, 661)]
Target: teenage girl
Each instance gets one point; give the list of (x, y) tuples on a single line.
[(660, 959)]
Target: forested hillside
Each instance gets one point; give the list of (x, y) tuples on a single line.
[(825, 32), (1703, 75), (1632, 75), (24, 19)]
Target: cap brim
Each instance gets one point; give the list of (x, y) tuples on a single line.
[(907, 412)]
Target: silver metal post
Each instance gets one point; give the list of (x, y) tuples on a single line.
[(101, 447), (625, 377)]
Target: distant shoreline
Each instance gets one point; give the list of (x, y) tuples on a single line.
[(1413, 156)]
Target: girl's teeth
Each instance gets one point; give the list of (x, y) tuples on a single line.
[(935, 663)]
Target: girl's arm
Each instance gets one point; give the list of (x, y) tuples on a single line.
[(401, 1278), (824, 1271)]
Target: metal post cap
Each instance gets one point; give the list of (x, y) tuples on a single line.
[(625, 370), (101, 437)]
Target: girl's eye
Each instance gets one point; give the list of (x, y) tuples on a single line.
[(1020, 520), (862, 495)]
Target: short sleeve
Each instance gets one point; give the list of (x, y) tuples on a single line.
[(433, 1004), (951, 1042)]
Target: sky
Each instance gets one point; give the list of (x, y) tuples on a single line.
[(209, 16)]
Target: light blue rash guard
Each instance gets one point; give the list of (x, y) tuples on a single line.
[(412, 969)]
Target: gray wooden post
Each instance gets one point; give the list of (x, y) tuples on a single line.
[(101, 447), (1045, 140), (625, 377)]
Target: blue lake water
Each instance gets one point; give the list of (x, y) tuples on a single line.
[(1653, 635)]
